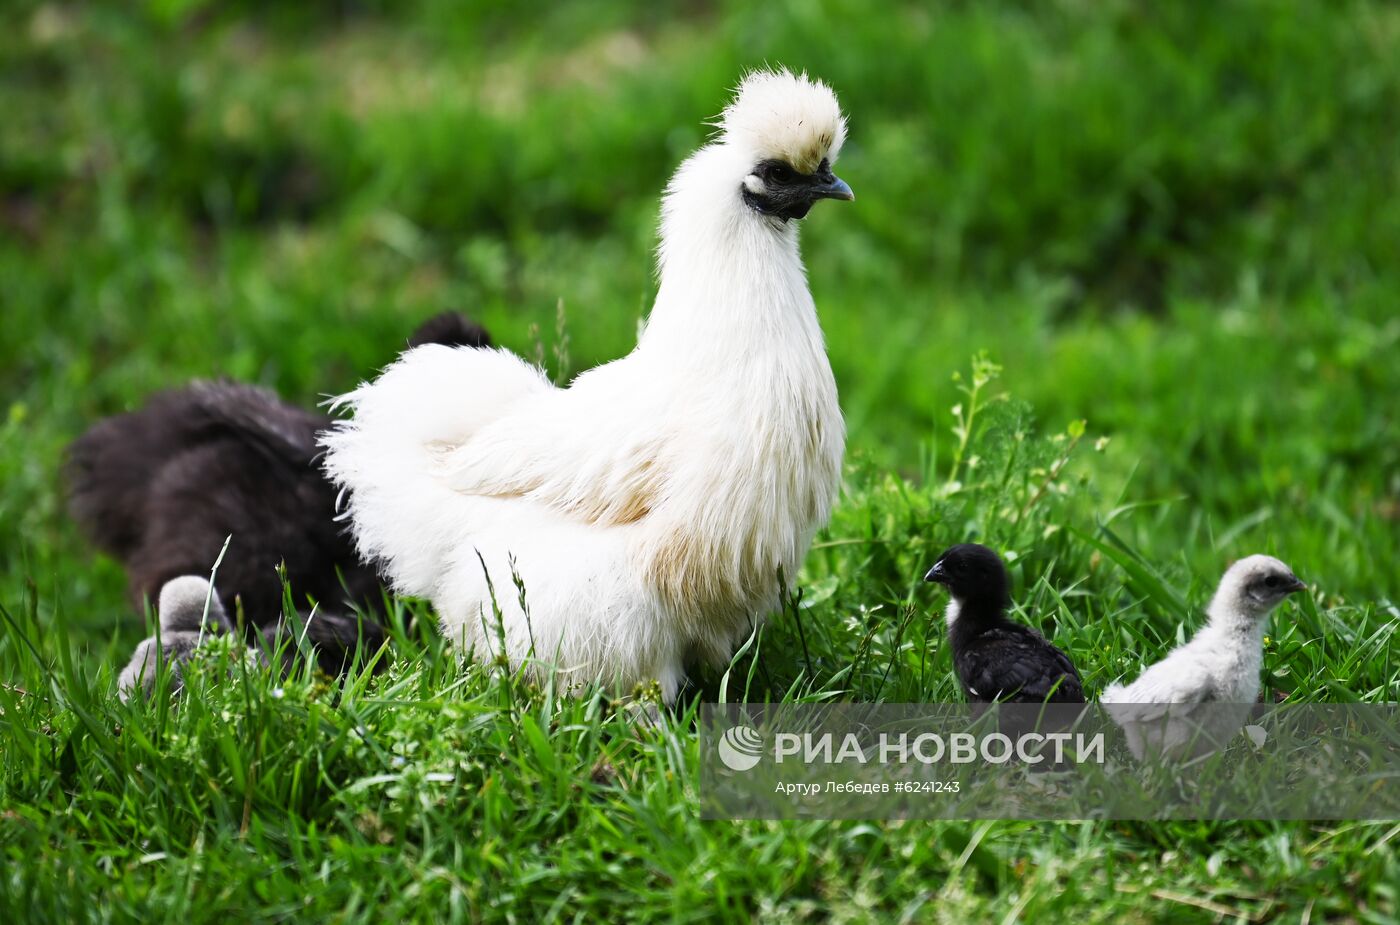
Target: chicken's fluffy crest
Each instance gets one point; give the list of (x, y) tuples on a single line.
[(786, 117)]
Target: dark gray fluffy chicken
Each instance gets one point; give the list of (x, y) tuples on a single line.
[(162, 488)]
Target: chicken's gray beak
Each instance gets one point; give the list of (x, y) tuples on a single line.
[(835, 188), (1298, 585), (936, 574)]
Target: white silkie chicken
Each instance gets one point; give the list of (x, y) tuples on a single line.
[(648, 509), (1194, 700)]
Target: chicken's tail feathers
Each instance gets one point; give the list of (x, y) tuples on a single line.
[(1128, 709), (104, 472), (110, 469), (1115, 702), (386, 459)]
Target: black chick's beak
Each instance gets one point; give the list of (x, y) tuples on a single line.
[(937, 574), (832, 187)]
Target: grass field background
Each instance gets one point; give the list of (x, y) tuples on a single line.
[(1176, 223)]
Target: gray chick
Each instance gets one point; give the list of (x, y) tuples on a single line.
[(189, 613), (1199, 696)]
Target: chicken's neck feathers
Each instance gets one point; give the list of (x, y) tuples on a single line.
[(732, 283), (1229, 624), (972, 618)]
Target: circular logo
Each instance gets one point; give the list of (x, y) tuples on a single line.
[(740, 748)]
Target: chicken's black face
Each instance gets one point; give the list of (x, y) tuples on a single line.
[(775, 188), (972, 572), (1268, 586)]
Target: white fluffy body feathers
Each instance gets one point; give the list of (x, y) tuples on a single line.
[(648, 509)]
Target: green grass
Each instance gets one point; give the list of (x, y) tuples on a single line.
[(1175, 222)]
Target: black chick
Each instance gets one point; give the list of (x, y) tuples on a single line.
[(997, 660), (162, 487)]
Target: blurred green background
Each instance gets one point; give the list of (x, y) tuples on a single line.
[(1178, 221)]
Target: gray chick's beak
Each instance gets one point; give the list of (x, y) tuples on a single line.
[(936, 574), (1298, 585), (835, 189)]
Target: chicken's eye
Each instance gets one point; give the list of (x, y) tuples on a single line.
[(1271, 581), (781, 173)]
